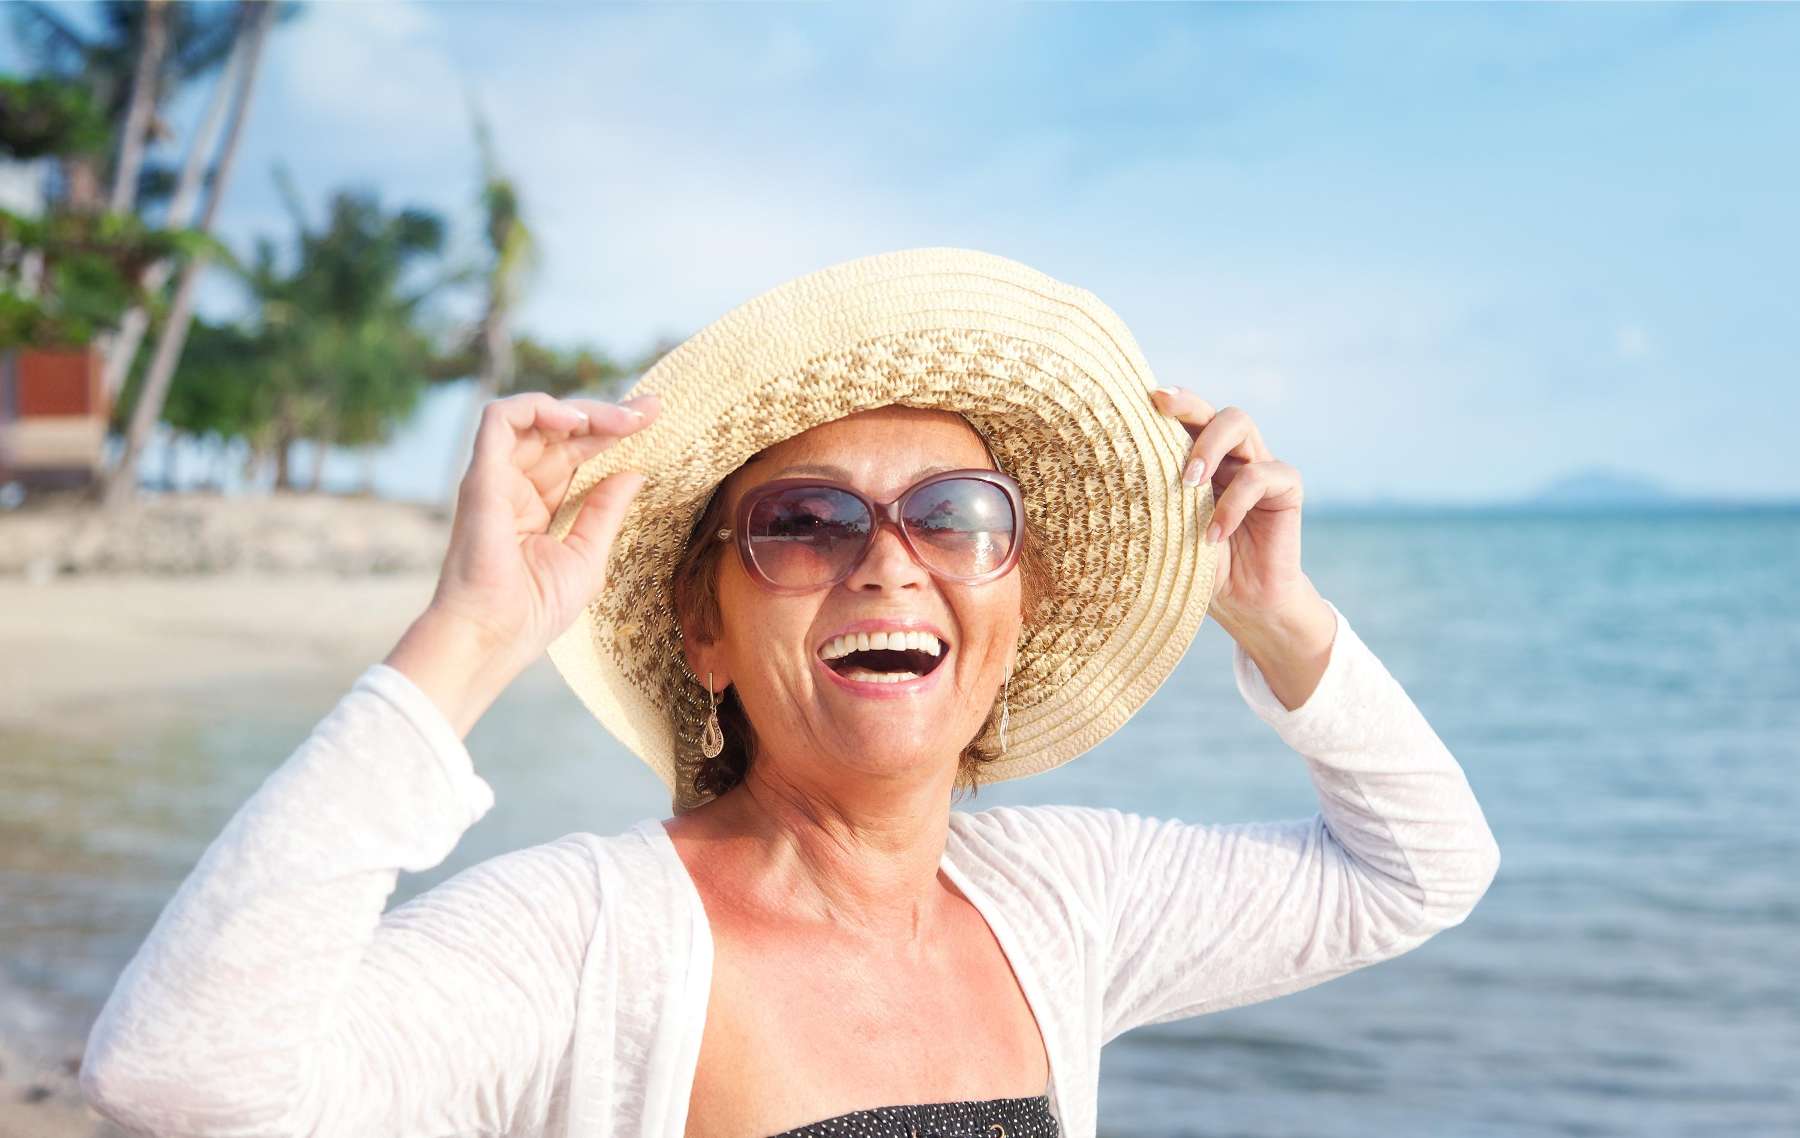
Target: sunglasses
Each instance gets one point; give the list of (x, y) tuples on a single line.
[(796, 535)]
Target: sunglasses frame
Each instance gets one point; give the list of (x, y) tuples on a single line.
[(882, 513)]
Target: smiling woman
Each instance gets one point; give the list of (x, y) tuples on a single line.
[(860, 651), (920, 517)]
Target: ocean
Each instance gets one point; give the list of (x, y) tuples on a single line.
[(1622, 688)]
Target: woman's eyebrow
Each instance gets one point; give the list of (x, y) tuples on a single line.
[(843, 475)]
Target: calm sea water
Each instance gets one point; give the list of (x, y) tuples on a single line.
[(1622, 689)]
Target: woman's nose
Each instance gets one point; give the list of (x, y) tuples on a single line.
[(888, 564)]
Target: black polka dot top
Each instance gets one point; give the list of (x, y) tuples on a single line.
[(989, 1118)]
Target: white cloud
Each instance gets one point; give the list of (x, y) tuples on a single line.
[(382, 72)]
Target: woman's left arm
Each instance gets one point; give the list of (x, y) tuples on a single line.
[(1205, 917)]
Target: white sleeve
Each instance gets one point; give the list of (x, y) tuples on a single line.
[(1199, 918), (274, 997)]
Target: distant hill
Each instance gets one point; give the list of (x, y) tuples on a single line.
[(1597, 486)]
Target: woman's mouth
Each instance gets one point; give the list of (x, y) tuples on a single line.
[(890, 657)]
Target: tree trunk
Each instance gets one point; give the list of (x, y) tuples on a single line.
[(171, 440), (144, 86), (321, 451), (130, 336), (285, 434), (250, 473), (121, 484), (81, 184)]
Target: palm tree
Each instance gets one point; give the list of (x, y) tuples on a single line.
[(337, 349), (141, 55), (144, 83), (511, 259), (502, 360), (124, 347), (121, 482)]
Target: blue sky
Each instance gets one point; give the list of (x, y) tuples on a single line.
[(1443, 252)]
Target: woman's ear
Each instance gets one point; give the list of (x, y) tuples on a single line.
[(703, 658)]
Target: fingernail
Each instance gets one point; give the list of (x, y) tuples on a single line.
[(1212, 534), (632, 410), (1196, 470), (578, 411), (1169, 391)]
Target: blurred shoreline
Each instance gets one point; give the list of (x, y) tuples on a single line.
[(191, 602), (62, 535)]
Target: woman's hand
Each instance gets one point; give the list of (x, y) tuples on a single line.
[(1262, 598), (507, 588), (1256, 507)]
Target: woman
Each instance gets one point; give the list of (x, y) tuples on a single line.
[(902, 527)]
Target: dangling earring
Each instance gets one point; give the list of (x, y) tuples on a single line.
[(1005, 710), (712, 739)]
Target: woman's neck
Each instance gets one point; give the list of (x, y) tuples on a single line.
[(862, 856)]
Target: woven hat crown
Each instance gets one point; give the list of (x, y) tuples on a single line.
[(1045, 372)]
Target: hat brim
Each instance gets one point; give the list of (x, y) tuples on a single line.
[(1052, 379)]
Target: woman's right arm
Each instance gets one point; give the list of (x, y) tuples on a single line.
[(273, 995)]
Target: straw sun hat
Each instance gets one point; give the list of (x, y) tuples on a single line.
[(1045, 371)]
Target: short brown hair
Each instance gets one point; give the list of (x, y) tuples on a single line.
[(696, 597)]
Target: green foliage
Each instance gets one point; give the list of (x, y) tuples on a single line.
[(336, 348), (105, 61), (213, 392), (49, 117), (67, 276), (565, 372)]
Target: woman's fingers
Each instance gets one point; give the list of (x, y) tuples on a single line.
[(505, 424), (616, 419), (1254, 482), (553, 466), (1187, 408), (544, 438), (1228, 432), (504, 420), (537, 415)]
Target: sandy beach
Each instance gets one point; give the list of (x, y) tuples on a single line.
[(187, 588), (79, 646)]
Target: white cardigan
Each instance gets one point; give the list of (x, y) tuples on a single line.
[(561, 989)]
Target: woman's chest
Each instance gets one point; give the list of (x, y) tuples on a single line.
[(802, 1028)]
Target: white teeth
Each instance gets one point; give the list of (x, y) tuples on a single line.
[(864, 676), (892, 641)]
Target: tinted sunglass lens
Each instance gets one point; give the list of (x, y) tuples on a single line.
[(962, 527), (806, 536)]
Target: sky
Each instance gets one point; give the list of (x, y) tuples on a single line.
[(1437, 252)]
